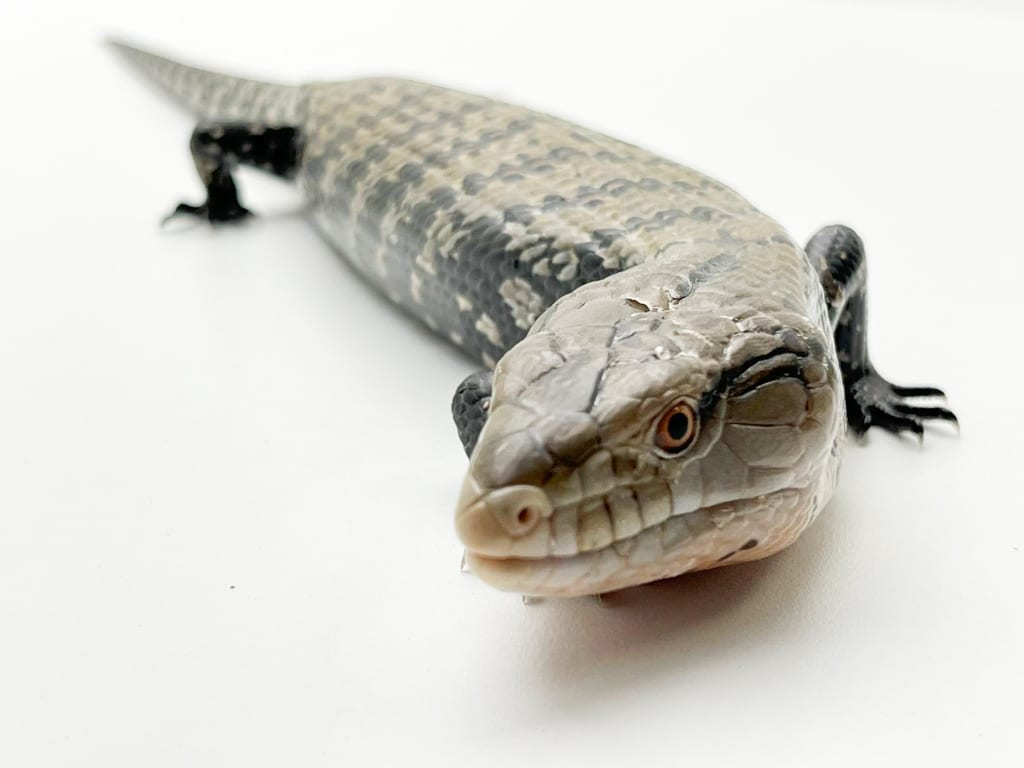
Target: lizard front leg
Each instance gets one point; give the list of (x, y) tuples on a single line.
[(470, 407), (837, 254)]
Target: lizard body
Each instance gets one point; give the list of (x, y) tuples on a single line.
[(669, 376)]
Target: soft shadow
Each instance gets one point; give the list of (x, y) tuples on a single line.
[(591, 649)]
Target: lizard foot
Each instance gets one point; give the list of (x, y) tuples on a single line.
[(215, 214), (872, 401)]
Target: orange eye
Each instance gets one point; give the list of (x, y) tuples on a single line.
[(676, 428)]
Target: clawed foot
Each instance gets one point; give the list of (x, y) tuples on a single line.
[(871, 401), (215, 214)]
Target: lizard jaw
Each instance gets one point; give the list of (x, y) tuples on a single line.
[(732, 532)]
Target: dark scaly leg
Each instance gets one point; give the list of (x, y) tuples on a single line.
[(217, 148), (837, 254), (470, 406)]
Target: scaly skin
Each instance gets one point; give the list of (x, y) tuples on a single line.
[(604, 284)]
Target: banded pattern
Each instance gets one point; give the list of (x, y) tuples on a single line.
[(476, 215)]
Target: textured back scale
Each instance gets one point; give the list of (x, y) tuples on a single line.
[(476, 215)]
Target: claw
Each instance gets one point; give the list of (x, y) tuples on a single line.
[(894, 422), (927, 413), (918, 391), (183, 209)]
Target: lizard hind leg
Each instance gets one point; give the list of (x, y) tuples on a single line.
[(218, 148), (837, 253)]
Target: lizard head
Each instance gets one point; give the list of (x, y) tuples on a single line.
[(633, 437)]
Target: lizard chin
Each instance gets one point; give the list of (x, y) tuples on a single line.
[(733, 532)]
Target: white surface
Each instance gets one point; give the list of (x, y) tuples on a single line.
[(227, 471)]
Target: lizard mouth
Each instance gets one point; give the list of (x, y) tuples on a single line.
[(732, 532)]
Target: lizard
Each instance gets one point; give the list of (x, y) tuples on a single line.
[(668, 377)]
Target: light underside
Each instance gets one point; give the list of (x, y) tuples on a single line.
[(706, 538)]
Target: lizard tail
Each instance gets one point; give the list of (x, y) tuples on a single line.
[(215, 96)]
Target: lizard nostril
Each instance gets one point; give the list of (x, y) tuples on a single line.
[(518, 508), (525, 516), (504, 521)]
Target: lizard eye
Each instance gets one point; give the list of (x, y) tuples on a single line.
[(676, 429)]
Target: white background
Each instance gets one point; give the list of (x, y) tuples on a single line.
[(227, 470)]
